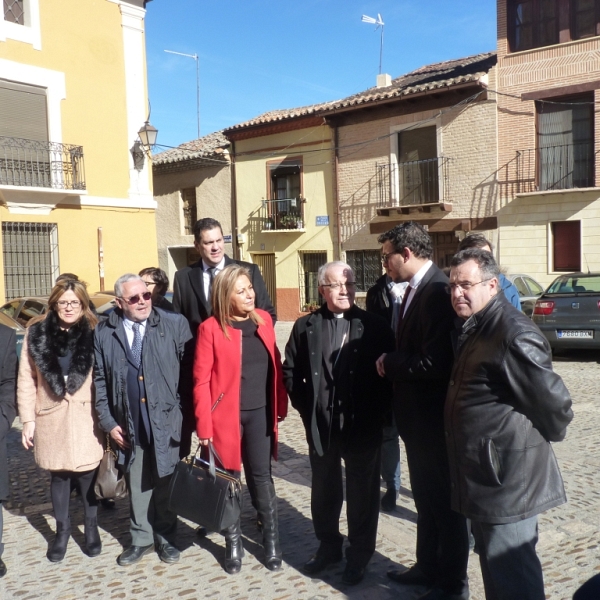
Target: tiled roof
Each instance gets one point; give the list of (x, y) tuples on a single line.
[(427, 78), (209, 146)]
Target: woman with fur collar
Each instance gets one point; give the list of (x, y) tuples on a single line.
[(56, 406)]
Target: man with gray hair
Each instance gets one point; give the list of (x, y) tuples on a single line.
[(138, 354), (504, 406), (332, 381)]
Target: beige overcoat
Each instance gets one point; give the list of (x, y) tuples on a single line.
[(67, 436)]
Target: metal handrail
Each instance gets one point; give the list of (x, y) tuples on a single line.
[(33, 163)]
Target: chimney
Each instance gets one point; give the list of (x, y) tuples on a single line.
[(384, 80)]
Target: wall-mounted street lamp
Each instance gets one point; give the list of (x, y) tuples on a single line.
[(141, 147)]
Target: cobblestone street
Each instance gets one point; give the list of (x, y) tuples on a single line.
[(569, 547)]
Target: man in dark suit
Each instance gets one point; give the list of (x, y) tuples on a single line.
[(385, 298), (8, 411), (332, 381), (420, 369), (191, 297), (192, 285)]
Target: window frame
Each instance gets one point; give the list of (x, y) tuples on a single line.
[(573, 20), (30, 31)]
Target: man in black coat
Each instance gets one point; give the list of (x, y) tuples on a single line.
[(8, 411), (332, 381), (504, 406), (420, 369), (384, 298), (191, 297)]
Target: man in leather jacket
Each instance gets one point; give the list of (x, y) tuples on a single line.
[(503, 408)]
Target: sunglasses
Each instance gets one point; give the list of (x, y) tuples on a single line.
[(135, 299)]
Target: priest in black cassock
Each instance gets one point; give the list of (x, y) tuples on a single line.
[(332, 381)]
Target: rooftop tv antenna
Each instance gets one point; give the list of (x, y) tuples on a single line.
[(379, 23), (195, 57)]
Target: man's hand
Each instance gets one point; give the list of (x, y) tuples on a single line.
[(120, 437), (379, 365)]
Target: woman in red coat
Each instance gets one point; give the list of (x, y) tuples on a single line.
[(239, 397)]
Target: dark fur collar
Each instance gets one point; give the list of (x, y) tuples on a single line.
[(46, 342)]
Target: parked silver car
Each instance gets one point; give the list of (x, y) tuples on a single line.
[(529, 291), (568, 312)]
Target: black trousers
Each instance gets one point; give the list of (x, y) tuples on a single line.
[(362, 498), (442, 536), (60, 492), (257, 435)]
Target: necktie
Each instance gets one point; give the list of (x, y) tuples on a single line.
[(211, 275), (136, 346), (407, 293)]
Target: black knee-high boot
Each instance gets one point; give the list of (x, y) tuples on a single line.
[(234, 550), (267, 513), (60, 490)]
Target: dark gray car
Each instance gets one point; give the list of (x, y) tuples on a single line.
[(568, 312)]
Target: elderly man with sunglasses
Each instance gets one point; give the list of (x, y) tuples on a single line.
[(332, 381), (139, 350)]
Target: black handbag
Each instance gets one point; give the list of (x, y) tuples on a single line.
[(205, 494), (110, 483)]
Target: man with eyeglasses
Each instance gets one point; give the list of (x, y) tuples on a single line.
[(420, 370), (139, 350), (503, 408), (332, 381)]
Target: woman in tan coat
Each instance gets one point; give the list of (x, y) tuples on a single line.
[(56, 406)]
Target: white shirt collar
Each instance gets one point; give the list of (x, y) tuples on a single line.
[(419, 275), (218, 267)]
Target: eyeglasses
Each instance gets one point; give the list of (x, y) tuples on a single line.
[(465, 287), (149, 283), (72, 303), (336, 286), (135, 299), (386, 257)]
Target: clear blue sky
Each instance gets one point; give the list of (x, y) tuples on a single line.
[(260, 55)]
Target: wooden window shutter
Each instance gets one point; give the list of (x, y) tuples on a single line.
[(23, 112), (567, 245)]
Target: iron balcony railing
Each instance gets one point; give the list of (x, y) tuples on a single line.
[(413, 183), (284, 214), (556, 167), (31, 163)]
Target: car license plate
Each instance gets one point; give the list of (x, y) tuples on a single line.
[(575, 333)]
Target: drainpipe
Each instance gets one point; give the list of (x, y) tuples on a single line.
[(234, 221), (100, 259), (337, 249)]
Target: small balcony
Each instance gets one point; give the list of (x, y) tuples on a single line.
[(419, 185), (285, 215), (35, 164), (556, 168)]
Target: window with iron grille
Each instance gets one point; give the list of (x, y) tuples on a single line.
[(14, 11), (190, 211), (366, 265), (30, 252), (310, 261)]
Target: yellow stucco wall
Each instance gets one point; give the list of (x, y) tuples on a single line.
[(314, 145), (84, 40), (127, 246)]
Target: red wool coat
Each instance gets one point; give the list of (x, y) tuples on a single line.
[(217, 376)]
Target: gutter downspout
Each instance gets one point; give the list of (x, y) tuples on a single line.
[(234, 220), (337, 249)]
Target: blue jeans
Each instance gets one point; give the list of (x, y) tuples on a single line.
[(390, 457)]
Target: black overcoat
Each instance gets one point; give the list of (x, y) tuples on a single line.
[(8, 394)]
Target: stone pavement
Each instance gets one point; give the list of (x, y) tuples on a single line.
[(568, 547)]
